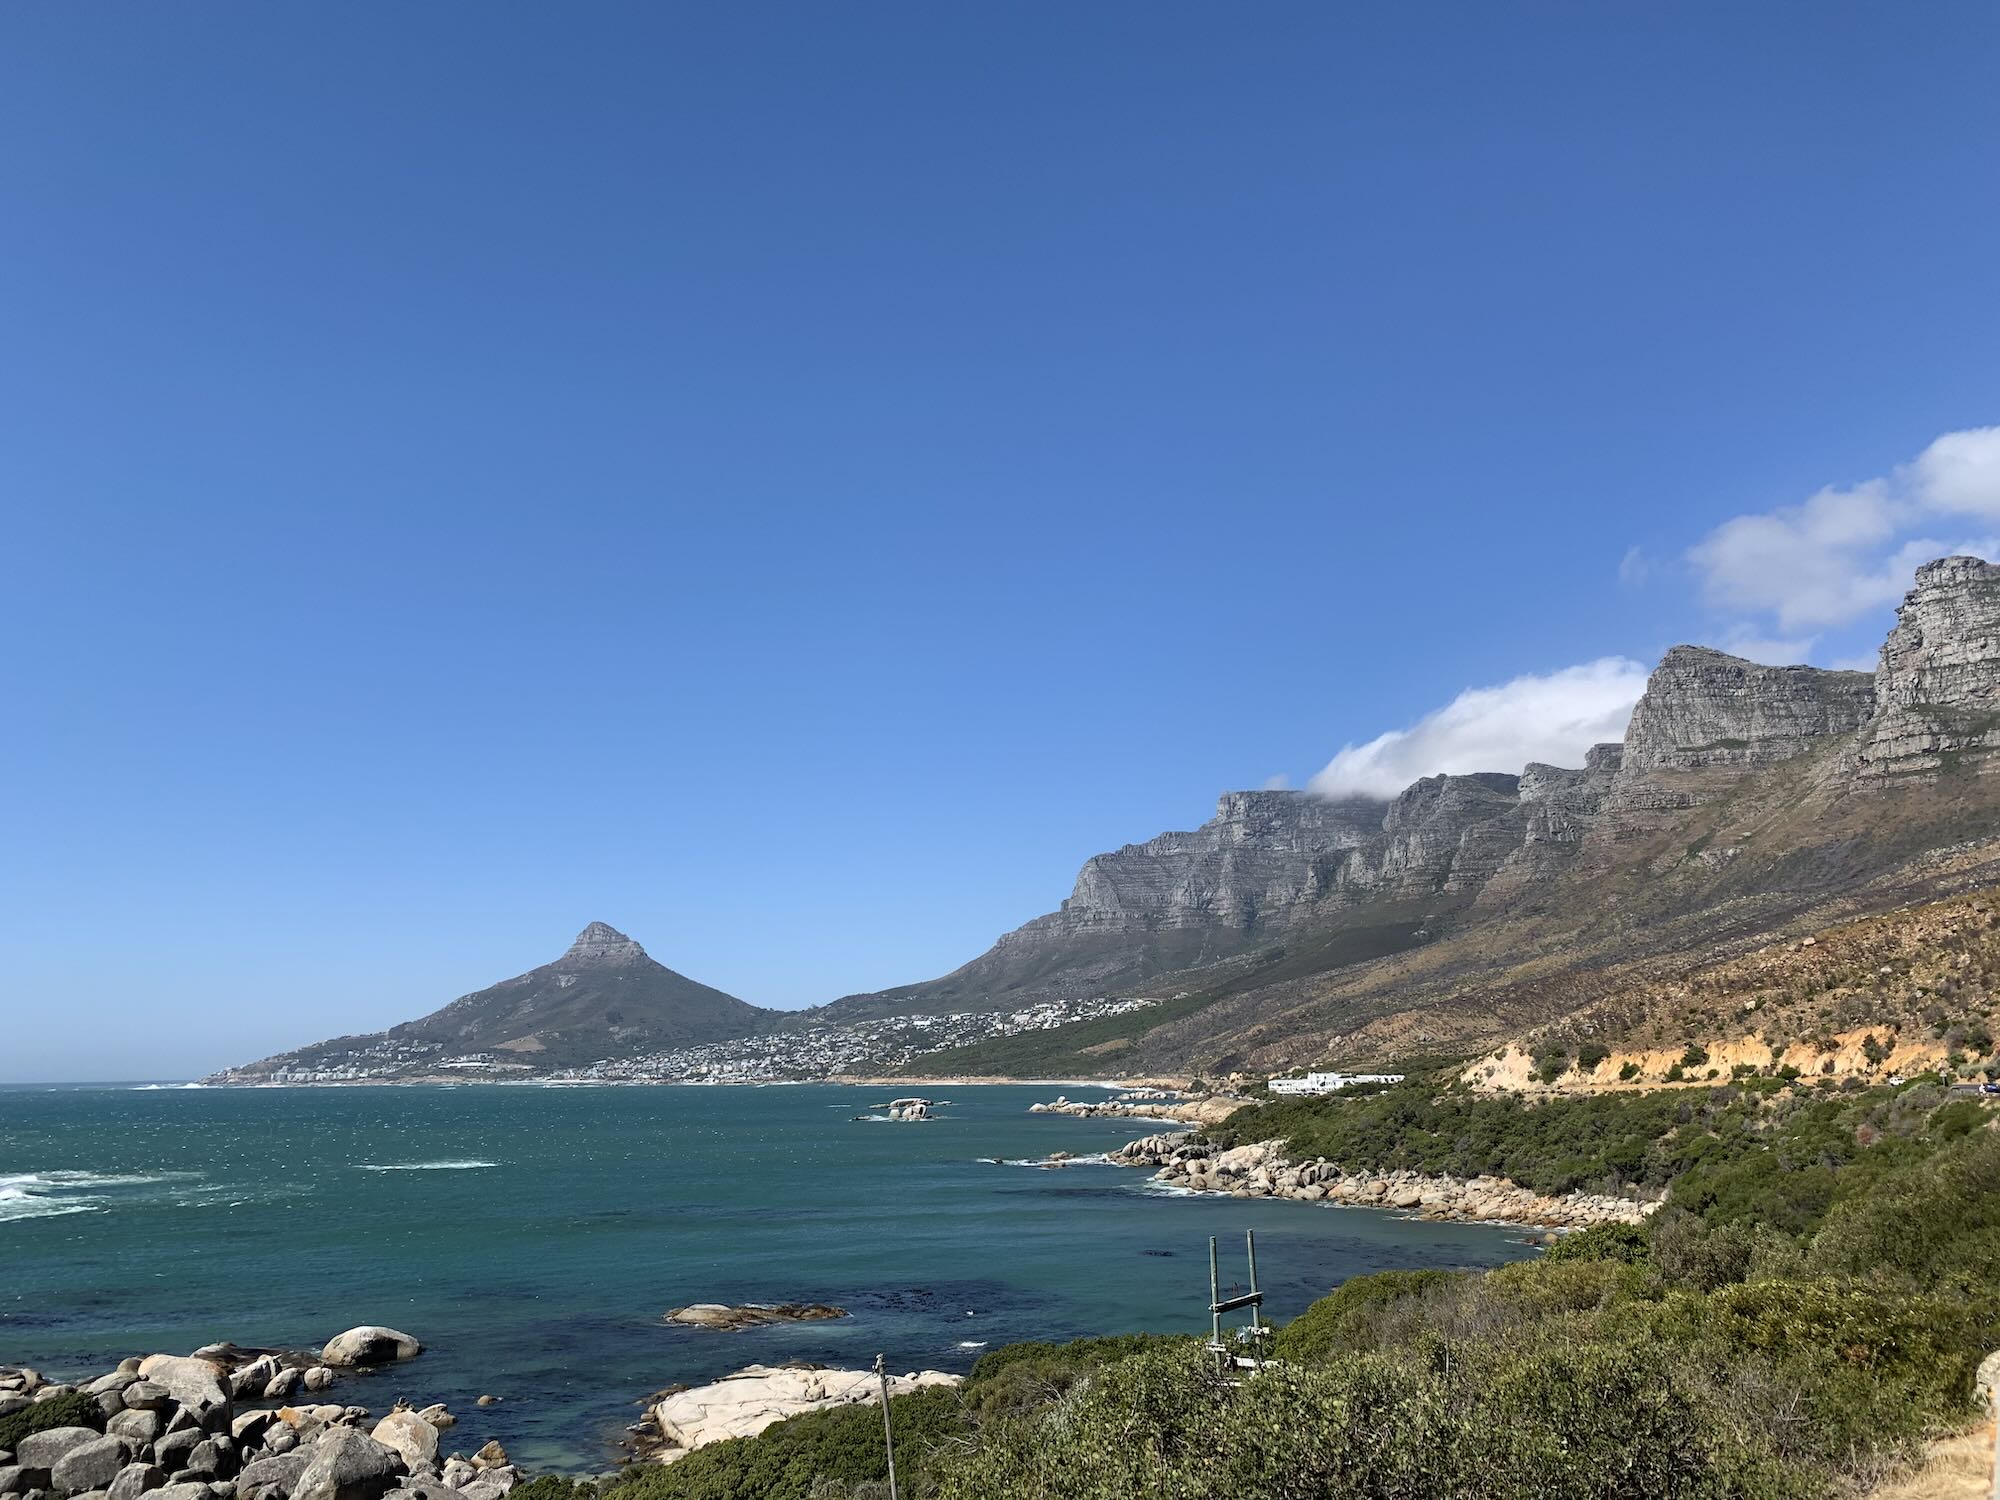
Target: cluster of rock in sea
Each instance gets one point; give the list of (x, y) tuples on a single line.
[(1263, 1170), (1189, 1109), (228, 1423)]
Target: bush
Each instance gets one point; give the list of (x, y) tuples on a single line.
[(1695, 1056), (1625, 1243), (555, 1487), (1628, 1072), (73, 1409), (1334, 1325), (1551, 1421)]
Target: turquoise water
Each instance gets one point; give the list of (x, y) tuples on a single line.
[(533, 1237)]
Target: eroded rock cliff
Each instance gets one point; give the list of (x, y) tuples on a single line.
[(1705, 708), (1937, 691)]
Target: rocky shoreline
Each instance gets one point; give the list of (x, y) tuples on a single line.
[(188, 1428), (1263, 1170)]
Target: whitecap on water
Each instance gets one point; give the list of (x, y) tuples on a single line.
[(424, 1166), (44, 1195)]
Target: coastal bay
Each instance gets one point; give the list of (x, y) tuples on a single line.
[(536, 1237)]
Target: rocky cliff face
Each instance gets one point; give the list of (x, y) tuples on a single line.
[(1704, 708), (1937, 691), (1262, 855), (1281, 869)]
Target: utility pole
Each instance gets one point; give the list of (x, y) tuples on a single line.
[(888, 1435)]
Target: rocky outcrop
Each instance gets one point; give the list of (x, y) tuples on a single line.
[(1937, 690), (370, 1344), (1209, 1110), (1704, 708), (744, 1404), (722, 1315), (174, 1442), (1263, 1170)]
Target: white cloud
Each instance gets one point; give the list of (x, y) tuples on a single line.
[(1800, 569), (1553, 718), (1960, 472), (1279, 783), (1635, 567)]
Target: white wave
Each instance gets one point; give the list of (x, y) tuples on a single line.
[(424, 1166), (1097, 1159), (42, 1208), (972, 1343), (143, 1088), (45, 1195)]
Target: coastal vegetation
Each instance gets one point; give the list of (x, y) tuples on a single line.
[(72, 1409), (1806, 1308)]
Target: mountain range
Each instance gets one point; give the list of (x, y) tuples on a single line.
[(1744, 800)]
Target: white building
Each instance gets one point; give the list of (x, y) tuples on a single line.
[(1329, 1083)]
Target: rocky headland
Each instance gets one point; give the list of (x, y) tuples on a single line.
[(1263, 1170)]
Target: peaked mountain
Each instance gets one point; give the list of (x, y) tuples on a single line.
[(1743, 800), (605, 997)]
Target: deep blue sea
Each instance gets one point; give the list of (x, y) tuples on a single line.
[(532, 1237)]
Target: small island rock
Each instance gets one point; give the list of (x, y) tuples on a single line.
[(370, 1344)]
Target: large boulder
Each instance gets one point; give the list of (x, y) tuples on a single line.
[(410, 1435), (172, 1451), (45, 1449), (274, 1476), (134, 1480), (199, 1386), (139, 1427), (347, 1465), (250, 1380), (90, 1466), (145, 1395), (370, 1344)]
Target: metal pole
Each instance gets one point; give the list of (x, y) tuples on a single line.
[(1214, 1300), (888, 1436), (1256, 1328)]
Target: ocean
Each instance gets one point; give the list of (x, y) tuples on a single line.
[(533, 1237)]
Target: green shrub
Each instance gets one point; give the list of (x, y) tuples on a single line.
[(1695, 1056), (555, 1487), (1619, 1242), (1627, 1072), (1591, 1055), (1333, 1325), (74, 1409)]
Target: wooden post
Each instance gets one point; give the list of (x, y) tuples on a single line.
[(888, 1433)]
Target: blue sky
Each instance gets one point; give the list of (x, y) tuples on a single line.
[(792, 481)]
